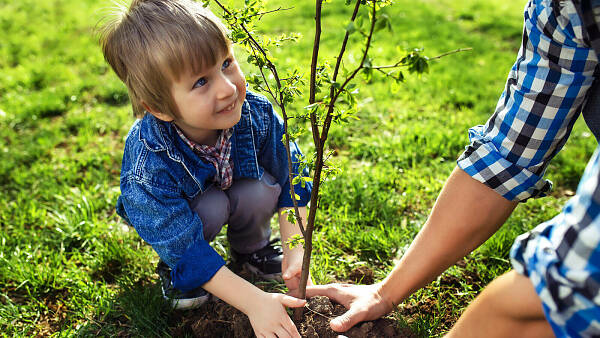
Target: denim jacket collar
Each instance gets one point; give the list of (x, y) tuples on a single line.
[(157, 136)]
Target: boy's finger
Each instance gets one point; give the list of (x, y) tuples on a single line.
[(292, 302), (291, 272), (282, 332), (292, 283), (291, 328), (293, 293), (287, 274)]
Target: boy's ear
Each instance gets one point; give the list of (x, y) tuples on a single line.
[(156, 113)]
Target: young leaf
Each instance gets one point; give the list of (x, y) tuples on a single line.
[(350, 28)]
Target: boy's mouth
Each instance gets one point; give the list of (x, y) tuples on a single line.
[(227, 109)]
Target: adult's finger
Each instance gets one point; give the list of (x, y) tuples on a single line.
[(346, 321), (329, 290)]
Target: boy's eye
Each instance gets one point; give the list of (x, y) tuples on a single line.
[(201, 82), (226, 64)]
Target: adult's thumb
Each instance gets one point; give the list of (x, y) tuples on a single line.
[(344, 322), (292, 302)]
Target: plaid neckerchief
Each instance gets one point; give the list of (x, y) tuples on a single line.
[(219, 155)]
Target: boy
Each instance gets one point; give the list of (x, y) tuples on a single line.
[(205, 153)]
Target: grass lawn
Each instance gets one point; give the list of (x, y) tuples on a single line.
[(70, 266)]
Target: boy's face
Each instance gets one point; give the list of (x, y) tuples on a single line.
[(211, 100)]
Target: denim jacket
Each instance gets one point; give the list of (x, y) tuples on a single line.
[(161, 174)]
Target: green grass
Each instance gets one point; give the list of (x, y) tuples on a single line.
[(69, 265)]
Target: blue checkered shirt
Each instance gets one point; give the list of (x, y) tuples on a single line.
[(544, 95)]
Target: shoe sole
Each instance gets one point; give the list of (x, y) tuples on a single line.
[(273, 276), (188, 303)]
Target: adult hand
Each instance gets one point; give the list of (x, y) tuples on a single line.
[(364, 302), (269, 318)]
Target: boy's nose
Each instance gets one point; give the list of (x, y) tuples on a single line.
[(226, 88)]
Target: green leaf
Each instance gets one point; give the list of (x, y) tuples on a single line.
[(350, 28), (295, 240), (290, 216), (382, 22), (296, 180)]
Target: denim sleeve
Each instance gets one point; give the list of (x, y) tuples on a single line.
[(273, 158), (543, 96), (164, 219)]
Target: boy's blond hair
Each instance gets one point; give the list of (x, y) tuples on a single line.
[(151, 43)]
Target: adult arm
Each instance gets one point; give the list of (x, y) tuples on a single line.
[(555, 278), (465, 214), (504, 163), (494, 314)]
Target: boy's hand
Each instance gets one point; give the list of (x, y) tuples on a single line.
[(291, 267), (269, 318)]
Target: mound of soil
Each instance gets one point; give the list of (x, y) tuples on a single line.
[(219, 319), (319, 311)]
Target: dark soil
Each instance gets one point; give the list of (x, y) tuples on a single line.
[(315, 323), (219, 319)]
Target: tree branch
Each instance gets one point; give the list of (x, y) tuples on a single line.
[(256, 46), (399, 63), (313, 72), (272, 11)]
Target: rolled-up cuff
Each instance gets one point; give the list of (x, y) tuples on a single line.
[(197, 266), (482, 161)]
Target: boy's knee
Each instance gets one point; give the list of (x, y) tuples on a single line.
[(213, 208), (256, 196)]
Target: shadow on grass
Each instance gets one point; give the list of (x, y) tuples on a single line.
[(137, 311)]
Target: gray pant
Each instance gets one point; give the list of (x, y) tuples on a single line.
[(247, 207)]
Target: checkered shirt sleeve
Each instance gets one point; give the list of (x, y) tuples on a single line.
[(544, 93), (561, 257)]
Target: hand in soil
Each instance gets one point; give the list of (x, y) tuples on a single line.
[(291, 266), (269, 318), (364, 302), (292, 271)]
